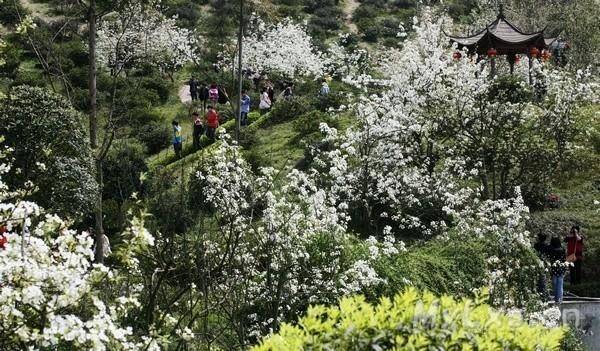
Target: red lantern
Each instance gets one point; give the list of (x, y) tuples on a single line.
[(534, 52), (517, 58), (457, 55), (492, 52), (546, 55)]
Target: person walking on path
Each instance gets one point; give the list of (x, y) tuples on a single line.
[(271, 92), (198, 130), (288, 92), (177, 139), (245, 99), (212, 123), (213, 94), (203, 95), (265, 101), (542, 249), (193, 88), (574, 242), (324, 88), (558, 267)]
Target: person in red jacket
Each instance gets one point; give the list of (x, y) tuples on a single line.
[(574, 242), (3, 240), (212, 122)]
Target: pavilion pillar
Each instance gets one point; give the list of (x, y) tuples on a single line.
[(493, 66), (530, 73)]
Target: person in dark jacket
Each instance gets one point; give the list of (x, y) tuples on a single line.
[(574, 242), (542, 249), (193, 88), (198, 130), (203, 95), (558, 267)]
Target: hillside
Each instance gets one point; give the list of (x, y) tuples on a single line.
[(379, 167)]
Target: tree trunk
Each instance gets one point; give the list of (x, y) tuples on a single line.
[(99, 230)]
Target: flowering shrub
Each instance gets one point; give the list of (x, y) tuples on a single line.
[(50, 288), (411, 320)]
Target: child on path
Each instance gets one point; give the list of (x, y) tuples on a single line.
[(177, 138)]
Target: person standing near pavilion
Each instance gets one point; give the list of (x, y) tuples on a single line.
[(245, 108), (212, 122), (177, 138), (558, 268), (543, 250), (574, 242)]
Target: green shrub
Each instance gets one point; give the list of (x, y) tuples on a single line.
[(441, 267), (411, 321), (288, 109), (309, 123), (155, 136), (43, 129), (124, 164)]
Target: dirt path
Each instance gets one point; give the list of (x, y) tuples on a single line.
[(184, 94), (349, 7)]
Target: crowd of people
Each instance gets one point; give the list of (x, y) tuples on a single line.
[(559, 261), (210, 96)]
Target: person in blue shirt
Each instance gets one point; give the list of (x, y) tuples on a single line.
[(177, 138), (245, 109)]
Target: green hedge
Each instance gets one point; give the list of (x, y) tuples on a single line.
[(411, 321)]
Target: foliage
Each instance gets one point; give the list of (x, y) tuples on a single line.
[(50, 150), (411, 320), (125, 163), (51, 288), (155, 136)]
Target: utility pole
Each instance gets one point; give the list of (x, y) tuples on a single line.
[(239, 98)]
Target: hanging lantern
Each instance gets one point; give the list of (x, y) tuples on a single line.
[(456, 55), (517, 58), (492, 52), (546, 55), (534, 52)]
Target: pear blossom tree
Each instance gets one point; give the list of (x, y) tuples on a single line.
[(284, 47), (50, 286), (142, 34)]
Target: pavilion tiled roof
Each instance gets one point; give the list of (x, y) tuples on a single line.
[(505, 37)]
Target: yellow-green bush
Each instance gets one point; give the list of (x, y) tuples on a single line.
[(411, 321)]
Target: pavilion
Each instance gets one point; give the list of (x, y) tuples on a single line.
[(503, 38)]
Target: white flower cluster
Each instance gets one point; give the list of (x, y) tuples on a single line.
[(289, 254), (49, 284), (284, 47), (142, 34)]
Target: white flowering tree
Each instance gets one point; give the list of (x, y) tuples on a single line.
[(143, 34), (565, 93), (52, 295), (284, 47)]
